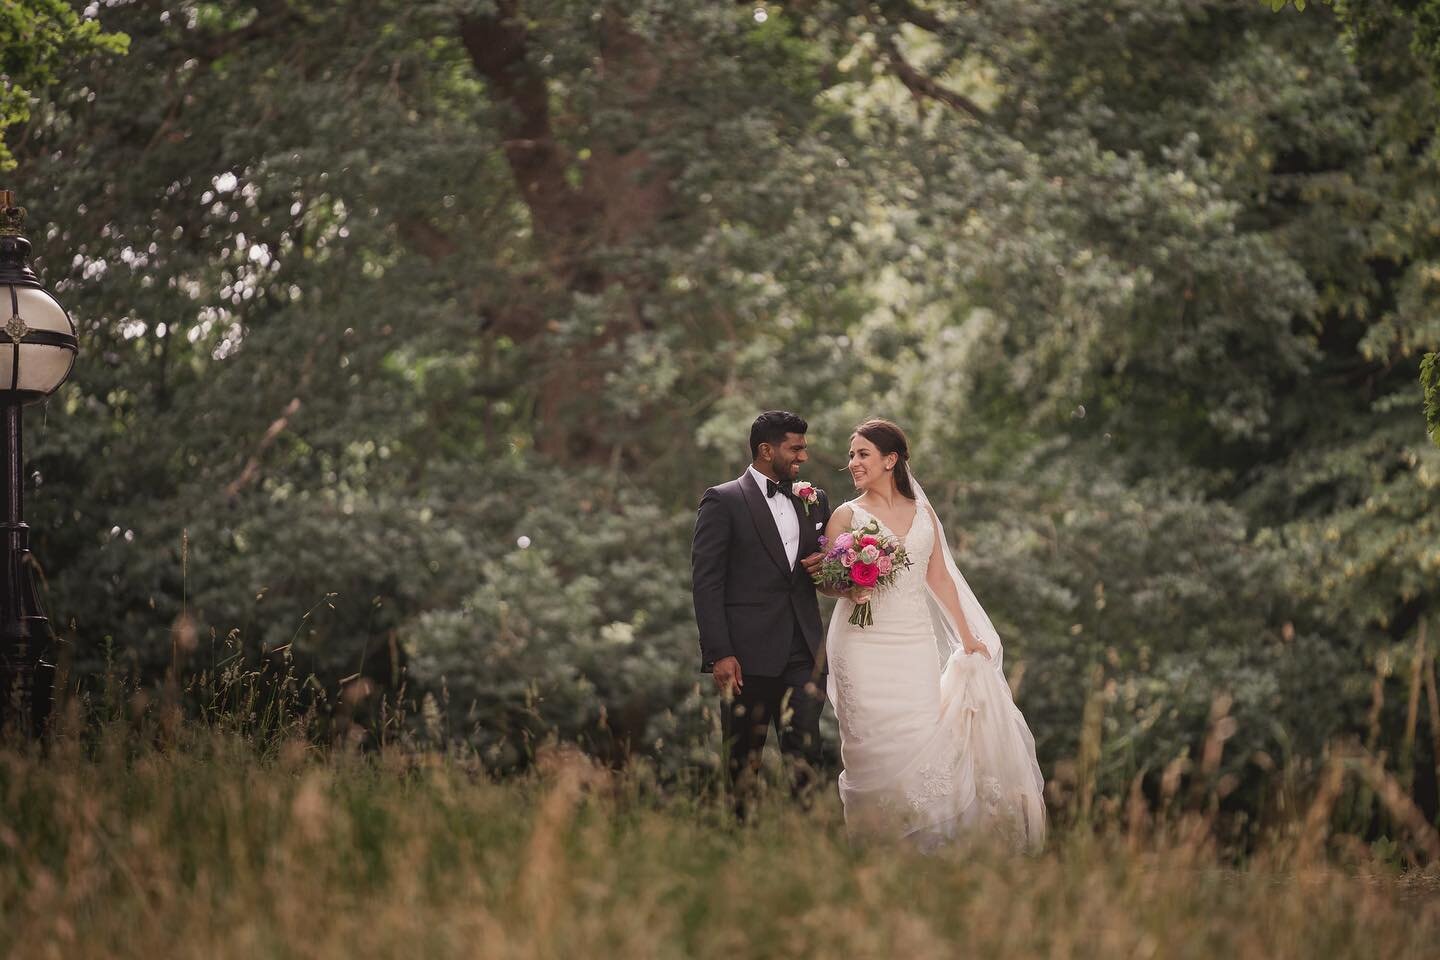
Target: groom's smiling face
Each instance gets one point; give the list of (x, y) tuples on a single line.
[(787, 458)]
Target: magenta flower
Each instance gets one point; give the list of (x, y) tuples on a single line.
[(865, 574)]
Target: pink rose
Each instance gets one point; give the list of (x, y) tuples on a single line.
[(845, 541), (870, 554), (804, 491), (883, 565), (868, 540), (865, 574), (847, 558)]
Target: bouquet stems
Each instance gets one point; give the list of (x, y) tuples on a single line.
[(861, 615)]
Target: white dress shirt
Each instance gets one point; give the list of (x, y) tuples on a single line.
[(787, 521)]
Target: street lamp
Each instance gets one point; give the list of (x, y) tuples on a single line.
[(37, 350)]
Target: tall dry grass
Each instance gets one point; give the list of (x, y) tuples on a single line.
[(204, 846), (150, 836)]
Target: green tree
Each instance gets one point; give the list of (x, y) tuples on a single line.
[(371, 291), (41, 40), (1420, 19)]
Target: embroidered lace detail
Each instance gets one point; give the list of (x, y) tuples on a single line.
[(852, 714), (1004, 816), (936, 782)]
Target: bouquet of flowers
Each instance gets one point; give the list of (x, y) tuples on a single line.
[(864, 557)]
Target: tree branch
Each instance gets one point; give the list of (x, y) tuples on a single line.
[(429, 240), (252, 466), (920, 85), (908, 12), (621, 194), (251, 471), (925, 86), (498, 46), (271, 19)]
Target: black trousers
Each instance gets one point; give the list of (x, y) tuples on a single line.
[(791, 703)]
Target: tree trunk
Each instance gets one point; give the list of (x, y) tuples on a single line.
[(577, 210)]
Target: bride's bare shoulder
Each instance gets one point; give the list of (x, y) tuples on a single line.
[(840, 518)]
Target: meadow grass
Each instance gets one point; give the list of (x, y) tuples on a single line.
[(209, 846)]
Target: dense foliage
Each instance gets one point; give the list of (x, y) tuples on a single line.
[(370, 290), (1366, 22), (38, 40)]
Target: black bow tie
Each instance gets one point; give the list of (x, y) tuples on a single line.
[(771, 487)]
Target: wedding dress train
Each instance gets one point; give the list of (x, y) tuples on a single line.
[(932, 751)]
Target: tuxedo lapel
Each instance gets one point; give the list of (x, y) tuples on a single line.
[(809, 536), (764, 521)]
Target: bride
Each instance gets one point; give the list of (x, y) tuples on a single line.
[(932, 743)]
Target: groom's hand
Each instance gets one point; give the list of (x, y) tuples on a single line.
[(812, 563), (727, 675)]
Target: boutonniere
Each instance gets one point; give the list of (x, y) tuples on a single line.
[(806, 493)]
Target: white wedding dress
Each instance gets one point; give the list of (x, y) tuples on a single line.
[(933, 746)]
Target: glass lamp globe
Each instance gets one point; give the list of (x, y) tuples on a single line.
[(38, 341)]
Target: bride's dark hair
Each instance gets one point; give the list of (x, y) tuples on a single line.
[(889, 438)]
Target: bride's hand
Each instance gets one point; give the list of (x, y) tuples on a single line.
[(975, 646), (858, 595)]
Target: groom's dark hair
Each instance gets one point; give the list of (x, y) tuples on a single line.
[(771, 426)]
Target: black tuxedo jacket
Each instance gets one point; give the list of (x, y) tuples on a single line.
[(748, 600)]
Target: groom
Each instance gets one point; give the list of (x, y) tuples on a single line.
[(755, 546)]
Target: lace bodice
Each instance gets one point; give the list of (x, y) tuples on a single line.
[(919, 540)]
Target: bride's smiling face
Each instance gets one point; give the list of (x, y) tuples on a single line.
[(868, 466)]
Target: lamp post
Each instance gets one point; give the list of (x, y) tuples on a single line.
[(38, 346)]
